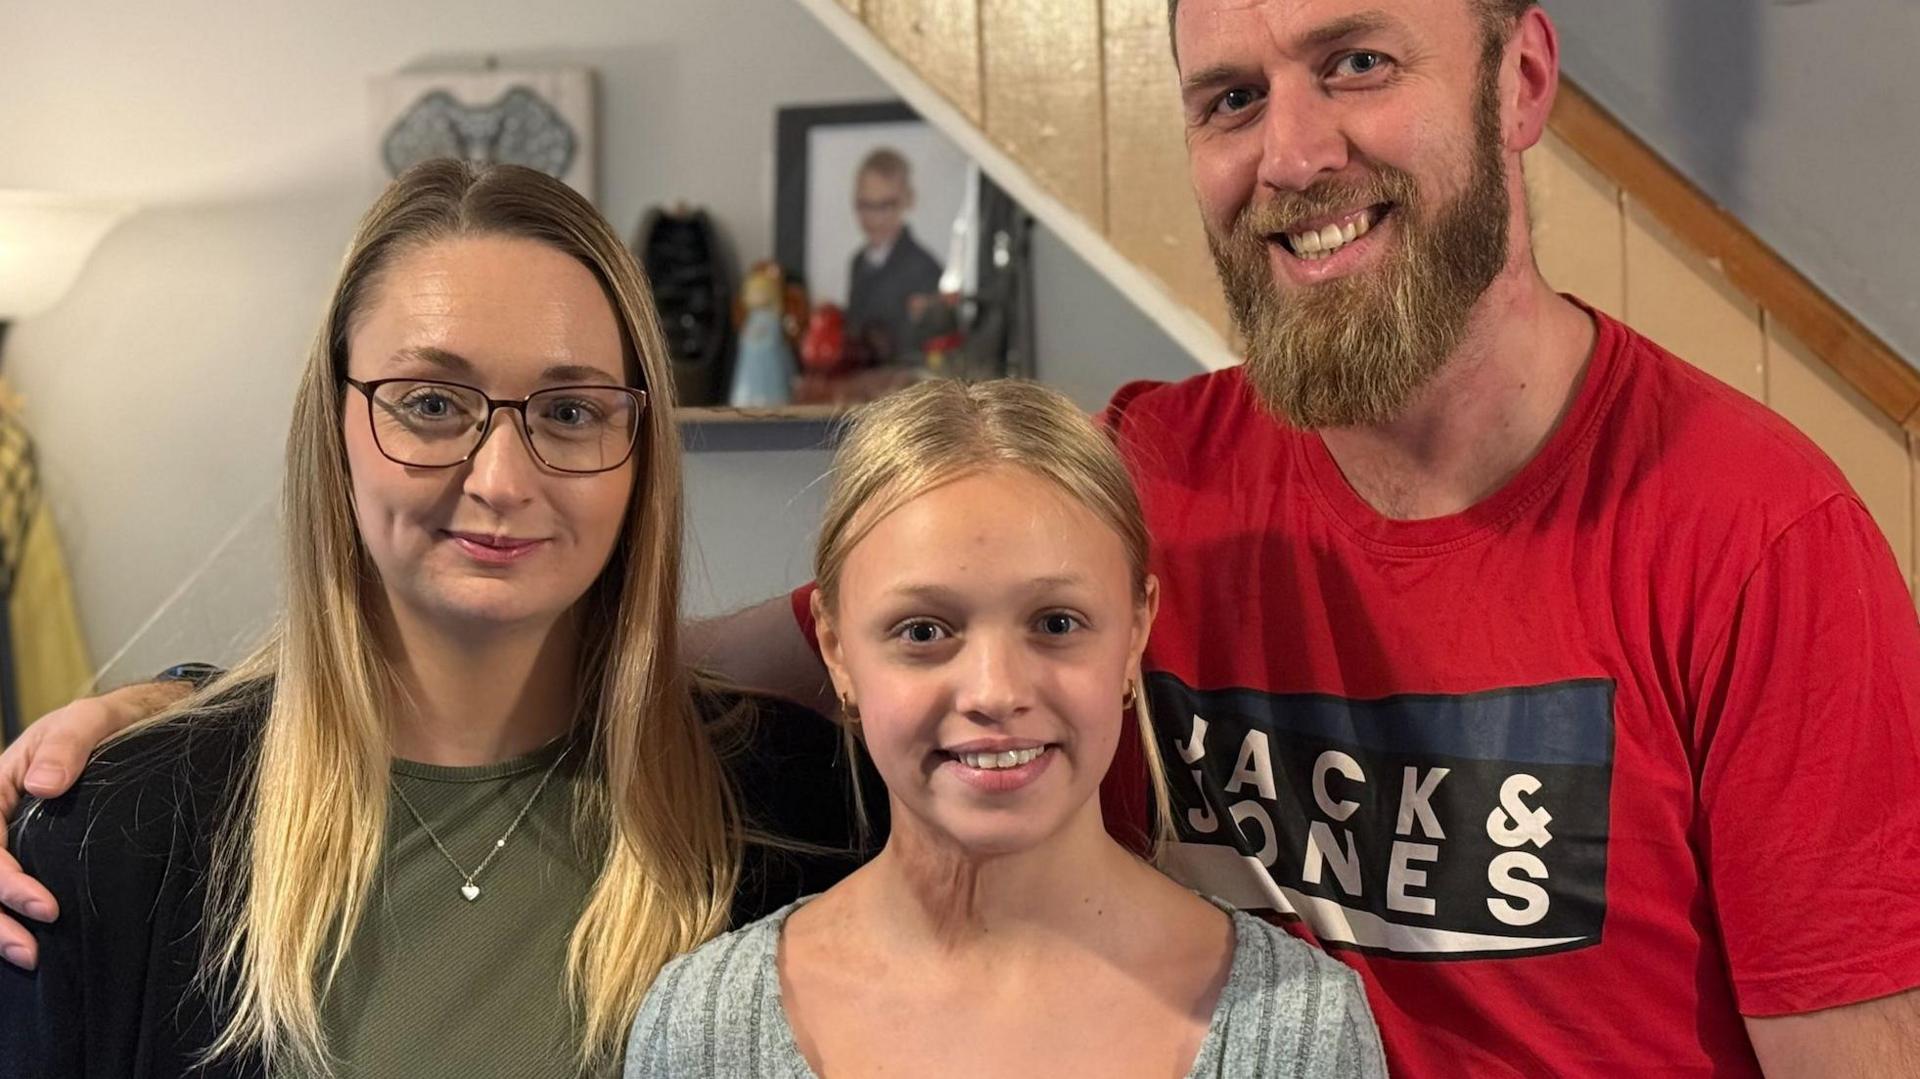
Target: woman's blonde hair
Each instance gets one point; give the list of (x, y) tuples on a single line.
[(294, 867), (933, 433)]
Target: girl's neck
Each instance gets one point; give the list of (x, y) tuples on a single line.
[(925, 892), (480, 699)]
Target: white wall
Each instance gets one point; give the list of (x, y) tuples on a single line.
[(159, 388)]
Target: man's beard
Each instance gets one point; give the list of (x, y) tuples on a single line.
[(1356, 349)]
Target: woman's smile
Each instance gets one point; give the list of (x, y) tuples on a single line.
[(495, 550)]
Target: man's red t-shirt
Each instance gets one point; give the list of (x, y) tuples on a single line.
[(1573, 778)]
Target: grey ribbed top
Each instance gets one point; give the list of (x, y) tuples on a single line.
[(1286, 1010)]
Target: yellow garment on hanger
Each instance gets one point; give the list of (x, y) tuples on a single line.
[(49, 656)]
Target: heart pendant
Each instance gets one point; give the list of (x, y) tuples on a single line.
[(471, 891)]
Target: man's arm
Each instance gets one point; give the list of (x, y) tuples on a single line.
[(761, 648), (43, 762), (1875, 1039)]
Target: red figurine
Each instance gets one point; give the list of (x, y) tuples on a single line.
[(823, 350)]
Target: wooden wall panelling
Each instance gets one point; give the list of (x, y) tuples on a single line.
[(1579, 237), (1042, 89), (1678, 299), (938, 38), (1871, 449), (1866, 362), (1153, 220)]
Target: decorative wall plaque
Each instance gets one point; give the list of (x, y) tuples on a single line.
[(542, 118)]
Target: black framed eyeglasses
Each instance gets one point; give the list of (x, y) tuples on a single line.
[(424, 423)]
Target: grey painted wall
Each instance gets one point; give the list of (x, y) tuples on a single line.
[(1799, 116)]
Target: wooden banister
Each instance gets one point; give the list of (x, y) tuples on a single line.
[(1854, 352)]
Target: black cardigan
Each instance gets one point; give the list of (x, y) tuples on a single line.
[(125, 853)]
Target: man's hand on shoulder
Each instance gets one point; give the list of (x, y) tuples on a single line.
[(43, 763)]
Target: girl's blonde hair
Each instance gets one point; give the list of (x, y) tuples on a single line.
[(295, 864), (933, 433)]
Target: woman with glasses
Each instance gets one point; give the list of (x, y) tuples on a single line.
[(463, 805)]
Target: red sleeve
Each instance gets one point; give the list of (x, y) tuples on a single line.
[(802, 599), (1109, 418), (1810, 783)]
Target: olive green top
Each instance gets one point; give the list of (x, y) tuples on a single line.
[(437, 985), (433, 985)]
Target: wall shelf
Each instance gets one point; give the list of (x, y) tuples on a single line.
[(782, 413)]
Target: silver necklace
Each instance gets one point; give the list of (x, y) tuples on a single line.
[(469, 886)]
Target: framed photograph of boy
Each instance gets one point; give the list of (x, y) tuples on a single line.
[(878, 213)]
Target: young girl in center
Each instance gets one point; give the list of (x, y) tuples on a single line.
[(983, 603)]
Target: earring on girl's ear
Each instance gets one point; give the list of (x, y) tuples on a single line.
[(1131, 696), (849, 710)]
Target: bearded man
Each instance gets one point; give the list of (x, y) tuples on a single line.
[(1570, 696)]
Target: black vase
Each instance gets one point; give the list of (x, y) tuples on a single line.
[(693, 288)]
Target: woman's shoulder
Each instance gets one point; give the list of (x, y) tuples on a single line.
[(125, 854), (200, 742), (1293, 987), (711, 1005), (141, 793)]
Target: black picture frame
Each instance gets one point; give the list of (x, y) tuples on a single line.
[(1002, 268), (792, 178)]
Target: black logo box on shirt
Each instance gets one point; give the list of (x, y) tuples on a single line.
[(1436, 826)]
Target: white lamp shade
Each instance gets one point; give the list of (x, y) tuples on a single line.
[(45, 239)]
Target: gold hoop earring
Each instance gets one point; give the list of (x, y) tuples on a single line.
[(848, 709), (1132, 696)]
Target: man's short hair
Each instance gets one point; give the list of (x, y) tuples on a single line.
[(1496, 17), (888, 164)]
